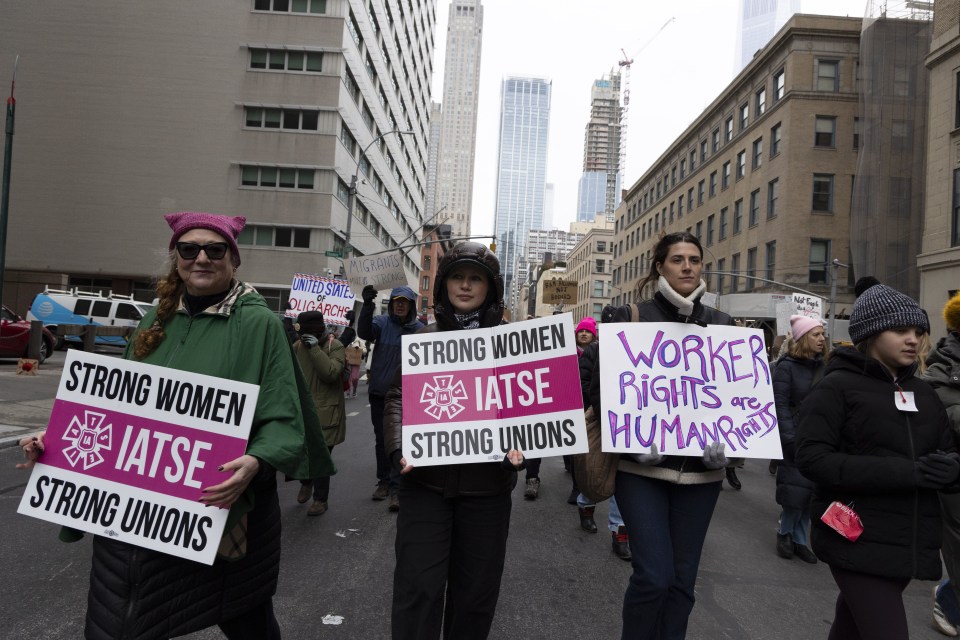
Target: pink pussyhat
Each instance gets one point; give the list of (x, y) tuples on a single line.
[(227, 226), (588, 324), (801, 325)]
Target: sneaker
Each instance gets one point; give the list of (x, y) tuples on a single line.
[(621, 543), (533, 489), (940, 621), (804, 553), (381, 492), (318, 508), (394, 503), (306, 490)]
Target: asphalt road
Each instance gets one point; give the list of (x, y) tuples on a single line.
[(560, 582)]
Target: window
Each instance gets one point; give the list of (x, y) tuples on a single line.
[(703, 151), (601, 246), (690, 198), (267, 236), (771, 265), (773, 194), (723, 223), (825, 132), (761, 101), (290, 178), (828, 75), (699, 232), (673, 176), (683, 168), (343, 191), (423, 304), (728, 130), (725, 178), (823, 192), (819, 257), (598, 265), (902, 81), (737, 216), (741, 164), (744, 115), (679, 207), (751, 268), (715, 145), (292, 119), (713, 184), (426, 263), (598, 288), (291, 6), (754, 219), (735, 269), (708, 274), (757, 153), (721, 276), (283, 60), (693, 160), (901, 132), (700, 193), (775, 138), (710, 228), (956, 106), (856, 133), (425, 283), (779, 86), (955, 218)]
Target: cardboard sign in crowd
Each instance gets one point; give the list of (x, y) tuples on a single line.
[(129, 447), (682, 387), (472, 396), (333, 298)]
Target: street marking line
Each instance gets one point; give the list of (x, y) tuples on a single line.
[(353, 413)]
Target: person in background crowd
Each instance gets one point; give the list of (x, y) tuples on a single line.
[(354, 355), (321, 357), (585, 334), (452, 531), (385, 332), (874, 437), (288, 324), (620, 541), (943, 374), (793, 377), (666, 501), (209, 322)]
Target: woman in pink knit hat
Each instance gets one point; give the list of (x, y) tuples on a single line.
[(795, 374)]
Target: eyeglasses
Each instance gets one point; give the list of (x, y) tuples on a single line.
[(190, 250)]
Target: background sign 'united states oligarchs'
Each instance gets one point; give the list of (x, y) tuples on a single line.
[(471, 396)]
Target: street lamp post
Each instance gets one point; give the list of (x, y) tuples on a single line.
[(836, 264), (354, 180)]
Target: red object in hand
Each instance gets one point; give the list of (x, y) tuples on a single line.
[(843, 520)]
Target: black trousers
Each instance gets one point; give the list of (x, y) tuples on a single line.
[(257, 624), (385, 471), (868, 607), (321, 486), (450, 556)]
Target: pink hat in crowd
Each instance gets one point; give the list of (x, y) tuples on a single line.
[(801, 325), (588, 324), (227, 226)]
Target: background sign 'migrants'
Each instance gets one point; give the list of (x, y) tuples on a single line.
[(682, 387), (471, 396), (129, 446)]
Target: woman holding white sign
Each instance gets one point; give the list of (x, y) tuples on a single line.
[(452, 531), (666, 501)]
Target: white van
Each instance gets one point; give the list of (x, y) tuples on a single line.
[(54, 307)]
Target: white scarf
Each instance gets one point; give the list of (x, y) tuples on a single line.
[(683, 304)]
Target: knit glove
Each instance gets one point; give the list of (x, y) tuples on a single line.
[(647, 459), (368, 293), (714, 457), (309, 340), (937, 470)]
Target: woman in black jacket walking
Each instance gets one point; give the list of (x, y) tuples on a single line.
[(793, 378), (874, 437)]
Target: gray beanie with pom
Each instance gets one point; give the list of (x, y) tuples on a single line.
[(881, 308)]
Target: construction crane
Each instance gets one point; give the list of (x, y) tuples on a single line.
[(625, 65)]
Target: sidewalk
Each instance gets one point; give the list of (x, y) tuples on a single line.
[(26, 401)]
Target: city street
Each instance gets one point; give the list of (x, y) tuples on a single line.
[(335, 582)]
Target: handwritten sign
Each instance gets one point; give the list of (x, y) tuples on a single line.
[(683, 387), (383, 271), (129, 447), (333, 298), (559, 291), (797, 304), (471, 396)]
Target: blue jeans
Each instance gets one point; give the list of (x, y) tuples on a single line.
[(795, 522), (667, 524), (614, 519)]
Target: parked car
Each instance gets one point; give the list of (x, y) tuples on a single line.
[(15, 337), (54, 307)]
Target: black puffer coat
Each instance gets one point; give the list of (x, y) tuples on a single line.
[(792, 380), (859, 449)]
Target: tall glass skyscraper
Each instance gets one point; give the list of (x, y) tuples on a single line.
[(758, 21), (521, 168), (599, 189)]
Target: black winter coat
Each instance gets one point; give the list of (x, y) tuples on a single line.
[(792, 379), (658, 309), (587, 361), (860, 450)]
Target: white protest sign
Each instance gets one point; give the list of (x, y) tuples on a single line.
[(384, 271), (683, 387), (472, 396), (129, 447), (333, 298), (809, 306)]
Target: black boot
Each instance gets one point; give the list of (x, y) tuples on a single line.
[(586, 519), (621, 543), (733, 479), (785, 545), (773, 467)]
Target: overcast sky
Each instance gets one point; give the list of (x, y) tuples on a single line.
[(677, 72)]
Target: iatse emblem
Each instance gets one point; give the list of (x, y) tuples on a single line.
[(87, 438), (443, 397)]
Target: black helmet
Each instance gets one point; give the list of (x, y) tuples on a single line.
[(478, 255)]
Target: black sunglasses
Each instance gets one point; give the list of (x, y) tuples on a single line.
[(190, 250)]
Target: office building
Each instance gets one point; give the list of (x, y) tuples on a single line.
[(599, 187), (590, 265)]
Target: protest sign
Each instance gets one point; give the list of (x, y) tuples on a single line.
[(559, 292), (129, 447), (797, 304), (384, 271), (472, 396), (333, 298), (683, 387)]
